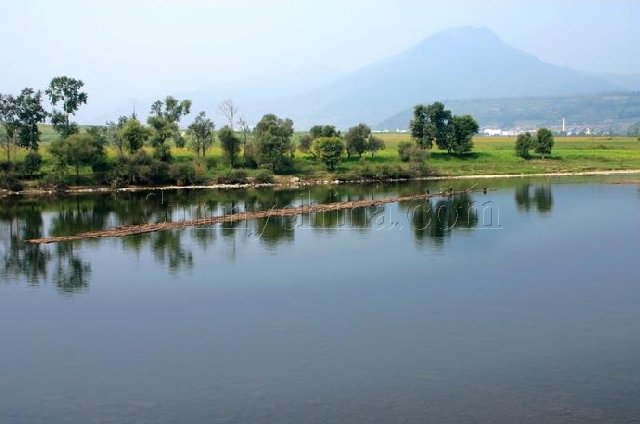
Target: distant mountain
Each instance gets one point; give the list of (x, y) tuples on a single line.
[(627, 81), (615, 112), (459, 63)]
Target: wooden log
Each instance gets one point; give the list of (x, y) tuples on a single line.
[(129, 230)]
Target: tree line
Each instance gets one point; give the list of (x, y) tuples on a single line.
[(144, 150)]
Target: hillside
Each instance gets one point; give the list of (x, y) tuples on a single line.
[(612, 111), (460, 63)]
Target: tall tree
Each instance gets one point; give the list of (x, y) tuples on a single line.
[(544, 142), (230, 144), (69, 92), (461, 130), (164, 120), (429, 125), (30, 114), (273, 138), (202, 132), (10, 122), (229, 110)]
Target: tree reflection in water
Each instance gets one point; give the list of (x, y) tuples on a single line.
[(62, 264), (541, 198)]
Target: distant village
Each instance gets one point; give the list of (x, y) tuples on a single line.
[(562, 130)]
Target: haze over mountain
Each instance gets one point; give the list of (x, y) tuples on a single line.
[(460, 63)]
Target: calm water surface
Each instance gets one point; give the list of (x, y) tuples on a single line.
[(519, 305)]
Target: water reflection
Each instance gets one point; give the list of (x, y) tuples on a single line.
[(431, 222), (539, 197)]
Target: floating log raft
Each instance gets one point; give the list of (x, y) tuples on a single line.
[(129, 230)]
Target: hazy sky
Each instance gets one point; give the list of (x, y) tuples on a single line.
[(136, 47)]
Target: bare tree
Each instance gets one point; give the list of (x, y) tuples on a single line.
[(229, 109)]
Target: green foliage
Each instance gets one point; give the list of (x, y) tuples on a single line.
[(9, 181), (184, 174), (524, 143), (305, 142), (263, 176), (375, 144), (433, 124), (202, 134), (134, 134), (76, 150), (461, 130), (230, 144), (19, 117), (233, 176), (429, 125), (164, 119), (68, 91), (274, 148), (32, 163), (30, 114), (329, 151), (544, 142), (318, 131), (357, 139)]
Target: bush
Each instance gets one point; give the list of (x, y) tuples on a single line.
[(235, 176), (9, 181), (264, 176), (183, 174), (409, 152)]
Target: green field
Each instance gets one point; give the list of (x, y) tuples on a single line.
[(491, 156)]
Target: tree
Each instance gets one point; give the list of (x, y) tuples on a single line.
[(318, 131), (461, 130), (328, 150), (32, 163), (164, 119), (134, 134), (357, 139), (429, 125), (375, 144), (305, 143), (544, 142), (229, 110), (273, 141), (30, 114), (245, 130), (68, 91), (76, 150), (10, 122), (230, 143), (202, 132), (524, 143)]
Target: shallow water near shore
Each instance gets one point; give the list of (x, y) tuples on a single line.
[(518, 305)]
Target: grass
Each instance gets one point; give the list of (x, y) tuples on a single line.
[(491, 156)]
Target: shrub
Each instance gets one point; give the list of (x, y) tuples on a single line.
[(234, 176), (264, 176), (9, 181), (183, 174), (410, 152)]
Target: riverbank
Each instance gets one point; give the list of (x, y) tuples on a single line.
[(294, 182)]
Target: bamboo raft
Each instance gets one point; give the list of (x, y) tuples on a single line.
[(129, 230)]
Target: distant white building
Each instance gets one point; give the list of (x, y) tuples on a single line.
[(492, 132)]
